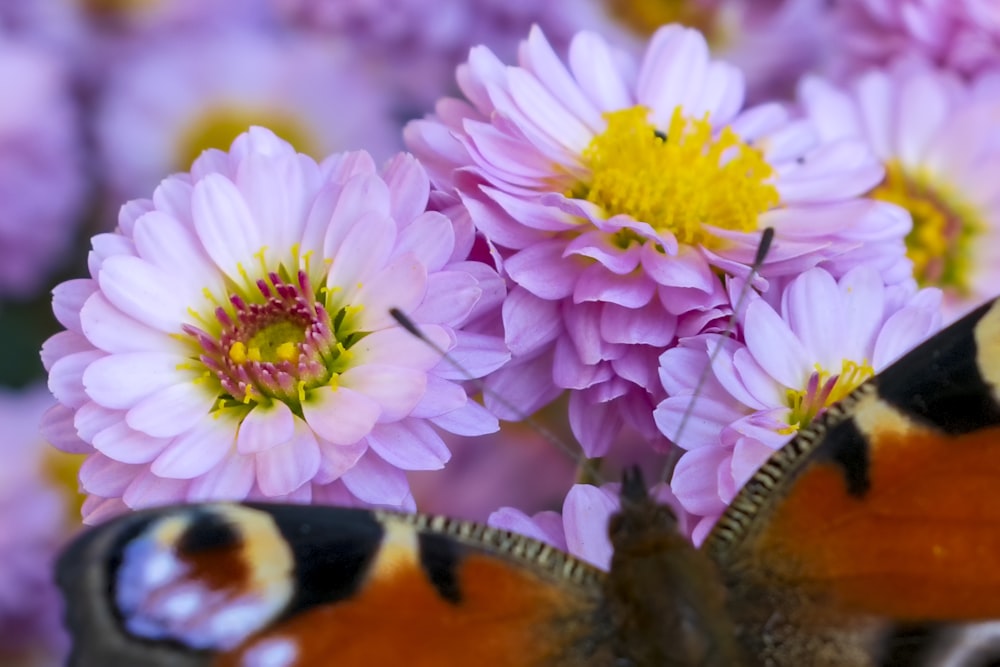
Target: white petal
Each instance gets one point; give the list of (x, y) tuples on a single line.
[(265, 427), (171, 410), (225, 224)]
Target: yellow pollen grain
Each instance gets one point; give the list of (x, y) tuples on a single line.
[(945, 228), (677, 181), (238, 352), (287, 352)]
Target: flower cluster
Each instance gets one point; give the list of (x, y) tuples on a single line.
[(574, 236)]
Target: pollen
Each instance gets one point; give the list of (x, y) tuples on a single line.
[(679, 180), (238, 352), (823, 389), (944, 231)]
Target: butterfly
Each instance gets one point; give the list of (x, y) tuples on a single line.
[(872, 538)]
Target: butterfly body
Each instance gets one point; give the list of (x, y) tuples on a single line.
[(872, 539)]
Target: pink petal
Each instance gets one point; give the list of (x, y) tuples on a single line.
[(231, 479), (401, 284), (66, 377), (586, 511), (225, 225), (396, 390), (265, 426), (376, 482), (695, 481), (335, 460), (341, 415), (67, 300), (146, 292), (530, 322), (111, 330), (171, 410), (409, 187), (596, 283), (148, 490), (121, 381), (105, 477), (124, 444), (286, 467), (411, 444), (469, 420), (595, 424), (475, 354), (199, 449), (58, 429), (542, 270)]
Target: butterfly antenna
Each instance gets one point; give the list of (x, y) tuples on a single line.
[(767, 236), (585, 466)]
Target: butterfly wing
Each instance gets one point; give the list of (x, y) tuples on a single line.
[(295, 585), (881, 521)]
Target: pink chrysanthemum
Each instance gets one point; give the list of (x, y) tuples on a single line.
[(807, 348), (961, 35), (174, 97), (582, 528), (616, 190), (42, 189), (772, 41), (234, 339), (938, 139), (33, 525)]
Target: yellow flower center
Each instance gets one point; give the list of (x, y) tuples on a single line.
[(118, 7), (63, 470), (271, 344), (822, 390), (217, 128), (677, 181), (643, 17), (944, 227)]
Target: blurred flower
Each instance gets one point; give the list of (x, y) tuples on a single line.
[(42, 185), (417, 50), (772, 41), (33, 525), (582, 528), (163, 105), (792, 358), (234, 339), (615, 192), (939, 139), (961, 35)]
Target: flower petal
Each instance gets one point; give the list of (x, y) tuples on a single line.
[(411, 444), (264, 427), (342, 416)]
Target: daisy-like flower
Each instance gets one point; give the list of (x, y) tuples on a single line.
[(938, 138), (772, 41), (792, 357), (616, 190), (581, 529), (33, 525), (42, 190), (960, 35), (234, 339), (174, 97)]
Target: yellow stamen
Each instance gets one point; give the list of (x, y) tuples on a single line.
[(238, 352), (680, 181), (645, 16), (944, 227)]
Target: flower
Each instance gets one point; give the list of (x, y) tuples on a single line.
[(414, 51), (582, 528), (234, 339), (772, 41), (43, 186), (174, 97), (937, 137), (962, 35), (615, 191), (33, 526), (795, 353)]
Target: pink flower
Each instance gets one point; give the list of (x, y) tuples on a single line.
[(43, 185), (615, 190), (582, 528), (937, 137), (33, 526), (234, 339), (166, 100), (796, 352), (415, 51), (961, 35)]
